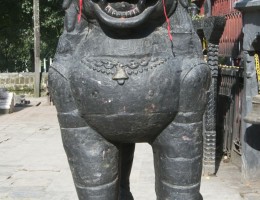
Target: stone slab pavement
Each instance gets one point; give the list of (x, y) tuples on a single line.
[(33, 165)]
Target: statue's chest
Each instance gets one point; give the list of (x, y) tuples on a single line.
[(120, 100), (113, 85), (129, 76)]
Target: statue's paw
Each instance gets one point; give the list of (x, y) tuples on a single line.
[(125, 195)]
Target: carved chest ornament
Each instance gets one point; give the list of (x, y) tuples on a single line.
[(121, 71)]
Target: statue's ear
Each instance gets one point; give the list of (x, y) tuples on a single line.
[(70, 16), (184, 3), (66, 4)]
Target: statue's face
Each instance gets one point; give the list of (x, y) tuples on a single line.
[(127, 13)]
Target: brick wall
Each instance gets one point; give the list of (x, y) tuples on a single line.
[(22, 83)]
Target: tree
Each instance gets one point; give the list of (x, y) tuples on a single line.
[(51, 18), (16, 32)]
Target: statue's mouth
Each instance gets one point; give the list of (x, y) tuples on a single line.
[(125, 9), (123, 14)]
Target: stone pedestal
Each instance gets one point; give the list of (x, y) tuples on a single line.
[(6, 101), (251, 45)]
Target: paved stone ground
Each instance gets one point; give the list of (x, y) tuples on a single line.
[(33, 164)]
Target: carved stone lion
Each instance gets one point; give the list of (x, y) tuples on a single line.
[(118, 78)]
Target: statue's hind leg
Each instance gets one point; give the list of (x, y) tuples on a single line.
[(178, 149), (126, 161), (93, 160)]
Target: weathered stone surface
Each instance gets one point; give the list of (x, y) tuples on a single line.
[(118, 79), (254, 116)]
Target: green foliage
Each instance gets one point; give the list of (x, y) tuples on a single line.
[(16, 32)]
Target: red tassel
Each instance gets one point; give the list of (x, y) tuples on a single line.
[(80, 10), (167, 20)]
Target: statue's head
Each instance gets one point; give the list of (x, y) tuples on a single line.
[(127, 13), (130, 15)]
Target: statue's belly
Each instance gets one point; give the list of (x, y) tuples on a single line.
[(136, 111)]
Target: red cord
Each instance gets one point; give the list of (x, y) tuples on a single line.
[(167, 20), (80, 9)]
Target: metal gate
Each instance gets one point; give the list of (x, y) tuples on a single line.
[(229, 101), (230, 79), (230, 82)]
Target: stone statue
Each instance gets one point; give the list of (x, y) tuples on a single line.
[(127, 72)]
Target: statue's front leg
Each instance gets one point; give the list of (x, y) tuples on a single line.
[(93, 160), (178, 150)]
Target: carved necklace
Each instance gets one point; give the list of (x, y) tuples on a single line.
[(122, 71)]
